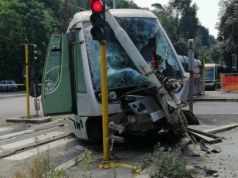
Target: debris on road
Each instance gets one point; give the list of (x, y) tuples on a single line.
[(111, 165), (210, 172), (207, 137), (191, 170), (221, 128), (216, 150), (204, 147)]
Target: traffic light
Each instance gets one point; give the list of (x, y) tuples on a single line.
[(33, 52), (35, 71), (98, 19)]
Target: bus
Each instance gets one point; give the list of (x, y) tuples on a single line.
[(212, 75)]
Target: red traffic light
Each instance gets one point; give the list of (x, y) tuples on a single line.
[(96, 5)]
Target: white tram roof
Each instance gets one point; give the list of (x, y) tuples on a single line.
[(85, 15)]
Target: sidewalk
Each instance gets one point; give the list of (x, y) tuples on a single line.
[(12, 94), (217, 96)]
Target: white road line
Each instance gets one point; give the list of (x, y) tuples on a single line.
[(3, 129), (15, 134), (31, 141), (40, 149)]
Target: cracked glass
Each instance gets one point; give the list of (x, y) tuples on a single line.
[(147, 35)]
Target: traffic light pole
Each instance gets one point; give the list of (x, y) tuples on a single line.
[(26, 45), (104, 90)]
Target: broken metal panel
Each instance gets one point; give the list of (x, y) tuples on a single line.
[(138, 60), (147, 105)]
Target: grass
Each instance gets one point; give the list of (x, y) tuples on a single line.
[(86, 163), (167, 163), (4, 124), (40, 168)]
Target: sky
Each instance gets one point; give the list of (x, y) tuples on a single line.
[(207, 12)]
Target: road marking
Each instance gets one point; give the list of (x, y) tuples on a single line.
[(15, 134), (31, 141), (40, 149), (5, 129)]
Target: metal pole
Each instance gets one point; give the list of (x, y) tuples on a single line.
[(191, 91), (104, 91), (27, 80), (114, 4), (191, 71), (203, 75), (35, 101)]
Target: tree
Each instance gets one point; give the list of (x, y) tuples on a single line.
[(228, 27), (20, 20), (179, 19), (189, 22), (206, 39)]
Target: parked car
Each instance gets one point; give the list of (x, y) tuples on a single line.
[(8, 85)]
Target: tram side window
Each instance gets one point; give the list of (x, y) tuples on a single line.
[(53, 67)]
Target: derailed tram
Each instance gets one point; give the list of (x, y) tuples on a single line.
[(147, 83)]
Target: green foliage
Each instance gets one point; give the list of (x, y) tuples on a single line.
[(181, 47), (40, 168), (166, 163), (206, 39), (228, 27), (34, 20), (180, 21), (205, 54), (189, 22), (86, 163), (20, 20)]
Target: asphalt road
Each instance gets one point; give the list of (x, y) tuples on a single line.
[(214, 107), (225, 163), (15, 106)]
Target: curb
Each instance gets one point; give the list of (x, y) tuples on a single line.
[(216, 99), (11, 96), (36, 120)]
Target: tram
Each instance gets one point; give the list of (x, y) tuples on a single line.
[(71, 77)]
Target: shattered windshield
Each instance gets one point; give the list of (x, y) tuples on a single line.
[(121, 71), (147, 37)]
